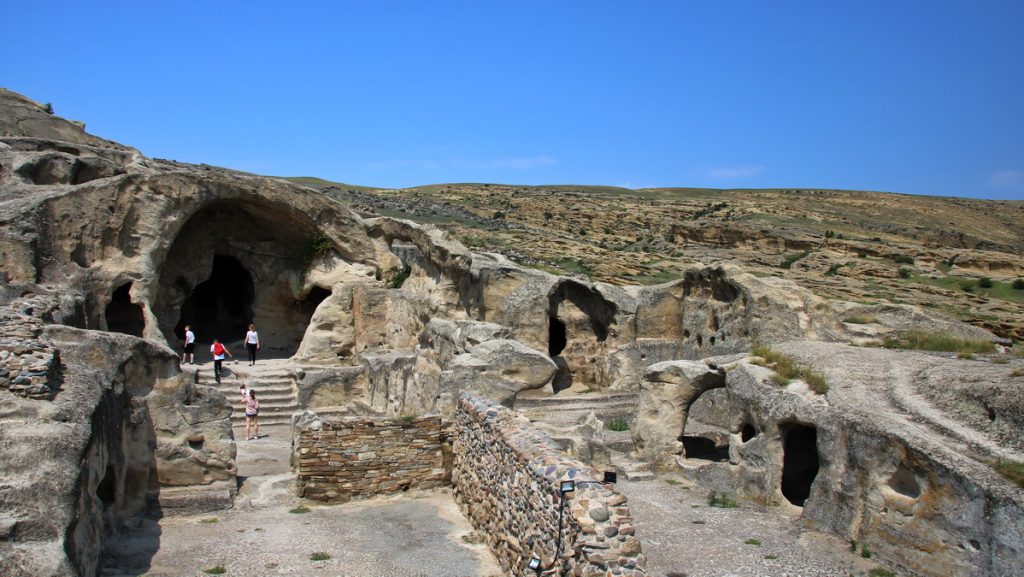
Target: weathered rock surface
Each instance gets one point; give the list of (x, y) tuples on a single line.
[(79, 464)]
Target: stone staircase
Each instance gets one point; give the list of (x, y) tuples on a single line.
[(274, 386)]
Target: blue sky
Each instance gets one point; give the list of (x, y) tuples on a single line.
[(923, 97)]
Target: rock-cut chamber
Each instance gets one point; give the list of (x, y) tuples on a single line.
[(235, 263)]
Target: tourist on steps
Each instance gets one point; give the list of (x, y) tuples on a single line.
[(252, 342), (218, 350), (190, 346), (243, 393), (252, 411)]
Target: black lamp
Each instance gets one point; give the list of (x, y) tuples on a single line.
[(567, 486), (534, 564)]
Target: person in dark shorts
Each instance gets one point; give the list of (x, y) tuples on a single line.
[(252, 411), (190, 346), (252, 343), (218, 350)]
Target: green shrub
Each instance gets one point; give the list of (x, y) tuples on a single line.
[(752, 542), (722, 501), (398, 278), (985, 282), (879, 572), (618, 424), (792, 258), (906, 272), (404, 420), (1017, 373), (903, 259), (833, 269), (215, 570), (929, 341), (1018, 284), (319, 556), (965, 356), (498, 215), (548, 215), (1012, 470), (786, 369), (209, 520), (300, 510), (865, 551), (967, 286), (771, 557)]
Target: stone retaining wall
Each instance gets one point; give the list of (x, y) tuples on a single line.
[(339, 459), (506, 478)]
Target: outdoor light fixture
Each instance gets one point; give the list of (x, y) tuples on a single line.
[(567, 487), (610, 477), (534, 564)]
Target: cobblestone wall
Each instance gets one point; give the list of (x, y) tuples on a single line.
[(28, 368), (506, 478), (340, 459)]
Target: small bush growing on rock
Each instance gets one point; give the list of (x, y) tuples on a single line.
[(319, 556), (792, 258), (215, 570), (903, 259), (752, 542), (771, 557), (906, 272), (398, 278), (1012, 470), (965, 356), (209, 520), (879, 572), (722, 501), (786, 369), (1017, 373), (833, 269), (1018, 284), (929, 341), (865, 551), (618, 424), (300, 510), (498, 215), (967, 286), (985, 282)]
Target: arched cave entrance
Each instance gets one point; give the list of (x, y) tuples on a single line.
[(236, 262), (124, 316), (706, 434), (799, 461), (579, 322), (221, 306)]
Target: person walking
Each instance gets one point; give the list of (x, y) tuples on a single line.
[(190, 346), (252, 412), (252, 342), (218, 350)]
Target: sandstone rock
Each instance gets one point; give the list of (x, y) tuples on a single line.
[(668, 390)]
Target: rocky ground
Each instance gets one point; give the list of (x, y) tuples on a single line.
[(417, 534), (860, 246), (683, 535)]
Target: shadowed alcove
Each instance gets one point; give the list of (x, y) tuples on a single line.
[(124, 316), (234, 263), (578, 324), (799, 461)]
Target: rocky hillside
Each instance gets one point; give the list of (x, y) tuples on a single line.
[(961, 257)]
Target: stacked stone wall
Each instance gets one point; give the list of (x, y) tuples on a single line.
[(506, 480), (28, 367), (352, 457)]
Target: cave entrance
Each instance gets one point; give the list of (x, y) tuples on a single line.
[(221, 306), (704, 434), (799, 461), (124, 316)]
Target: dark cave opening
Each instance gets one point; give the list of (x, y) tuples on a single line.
[(705, 448), (308, 305), (748, 432), (556, 337), (107, 489), (124, 316), (799, 461), (221, 306)]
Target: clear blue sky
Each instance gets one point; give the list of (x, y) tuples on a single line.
[(923, 97)]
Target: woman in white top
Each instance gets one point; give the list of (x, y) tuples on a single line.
[(252, 342)]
